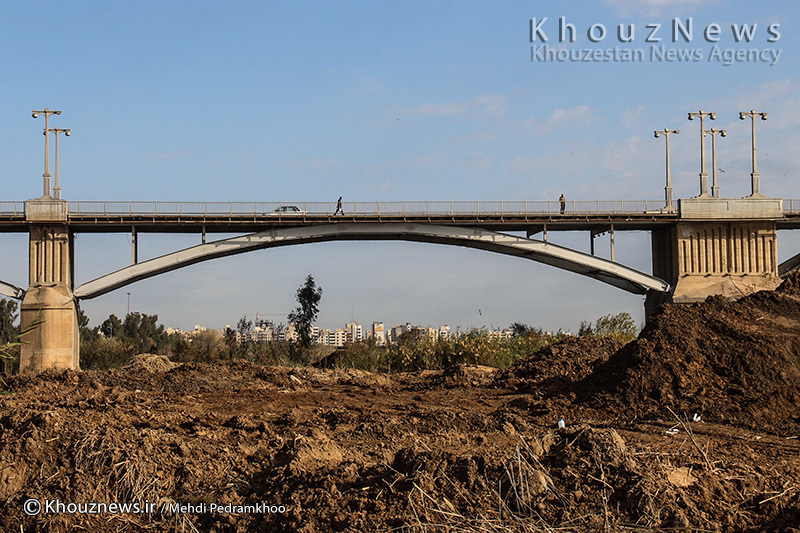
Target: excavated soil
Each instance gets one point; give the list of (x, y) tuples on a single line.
[(692, 427)]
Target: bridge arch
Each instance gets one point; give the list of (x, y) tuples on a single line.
[(543, 252), (12, 291)]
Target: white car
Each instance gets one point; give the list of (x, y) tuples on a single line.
[(284, 210)]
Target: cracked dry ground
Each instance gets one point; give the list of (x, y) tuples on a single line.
[(467, 449)]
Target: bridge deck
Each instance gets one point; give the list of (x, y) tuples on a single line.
[(232, 217), (258, 216)]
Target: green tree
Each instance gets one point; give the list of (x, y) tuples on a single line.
[(111, 327), (8, 314), (204, 346), (144, 332), (244, 326), (308, 296), (620, 327), (139, 333), (9, 334), (521, 330)]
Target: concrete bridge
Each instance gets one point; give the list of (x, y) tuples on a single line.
[(707, 245)]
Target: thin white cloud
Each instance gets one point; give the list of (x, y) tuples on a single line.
[(171, 155), (630, 117), (475, 161), (656, 7), (561, 115), (476, 137), (438, 110), (487, 104), (436, 160), (559, 118), (368, 85)]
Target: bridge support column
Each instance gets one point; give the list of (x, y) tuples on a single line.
[(700, 259), (54, 343)]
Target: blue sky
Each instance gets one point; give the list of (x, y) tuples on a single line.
[(379, 101)]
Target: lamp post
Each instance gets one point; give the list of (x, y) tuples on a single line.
[(755, 177), (703, 174), (668, 189), (713, 132), (46, 112), (56, 131)]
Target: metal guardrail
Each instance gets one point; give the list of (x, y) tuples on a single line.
[(791, 206), (432, 209), (12, 208)]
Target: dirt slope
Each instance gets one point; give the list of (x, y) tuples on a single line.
[(732, 362)]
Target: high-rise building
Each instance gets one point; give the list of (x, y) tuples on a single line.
[(378, 333), (354, 332)]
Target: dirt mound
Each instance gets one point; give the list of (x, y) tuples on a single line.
[(736, 362), (148, 362), (350, 451), (555, 367), (465, 449)]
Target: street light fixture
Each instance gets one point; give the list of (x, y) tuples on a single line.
[(46, 112), (56, 131), (755, 177), (668, 189), (703, 174), (713, 132)]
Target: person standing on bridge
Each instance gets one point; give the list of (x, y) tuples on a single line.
[(563, 202), (339, 207)]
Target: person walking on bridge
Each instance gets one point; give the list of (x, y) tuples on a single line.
[(563, 202), (339, 207)]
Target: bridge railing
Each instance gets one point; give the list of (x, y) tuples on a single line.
[(433, 209), (12, 208), (791, 206)]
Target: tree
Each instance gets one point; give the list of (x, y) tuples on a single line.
[(620, 327), (244, 327), (143, 332), (8, 314), (9, 334), (308, 296), (111, 327), (521, 330)]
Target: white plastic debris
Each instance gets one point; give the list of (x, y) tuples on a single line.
[(561, 423), (697, 418)]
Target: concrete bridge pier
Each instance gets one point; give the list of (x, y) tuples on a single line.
[(49, 299), (710, 253)]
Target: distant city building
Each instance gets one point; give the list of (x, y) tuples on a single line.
[(399, 330), (267, 331), (501, 334), (378, 333), (354, 332), (328, 337)]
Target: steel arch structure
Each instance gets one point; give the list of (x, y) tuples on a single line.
[(543, 252)]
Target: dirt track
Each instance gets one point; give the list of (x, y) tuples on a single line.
[(467, 449)]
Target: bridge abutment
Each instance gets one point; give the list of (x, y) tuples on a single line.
[(53, 344), (732, 258)]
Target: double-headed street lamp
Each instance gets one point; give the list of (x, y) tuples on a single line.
[(668, 189), (755, 177), (703, 174), (56, 131), (46, 112), (713, 132)]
